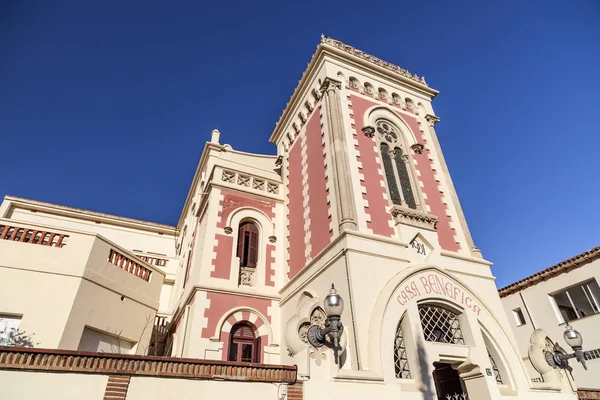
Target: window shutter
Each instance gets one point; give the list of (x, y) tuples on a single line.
[(253, 248), (103, 342), (241, 241)]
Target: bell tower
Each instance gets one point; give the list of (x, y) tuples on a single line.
[(370, 207)]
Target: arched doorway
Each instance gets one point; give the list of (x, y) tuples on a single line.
[(447, 382)]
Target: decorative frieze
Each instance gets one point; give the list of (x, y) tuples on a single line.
[(418, 219), (258, 184), (246, 180), (243, 180), (272, 188)]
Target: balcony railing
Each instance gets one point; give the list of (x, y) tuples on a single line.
[(159, 262), (66, 361), (32, 236), (127, 264)]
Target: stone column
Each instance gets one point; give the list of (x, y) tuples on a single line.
[(342, 184)]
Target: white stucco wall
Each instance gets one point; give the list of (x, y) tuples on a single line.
[(538, 309), (18, 385)]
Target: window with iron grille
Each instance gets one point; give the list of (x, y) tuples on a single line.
[(400, 358), (395, 164), (497, 375), (440, 325)]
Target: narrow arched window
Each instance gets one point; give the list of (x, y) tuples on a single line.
[(400, 357), (396, 165), (404, 178), (244, 346), (390, 175), (247, 246)]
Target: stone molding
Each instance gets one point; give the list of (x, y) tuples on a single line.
[(372, 59), (418, 219), (432, 119), (48, 360)]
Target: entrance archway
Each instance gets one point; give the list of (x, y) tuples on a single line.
[(447, 382)]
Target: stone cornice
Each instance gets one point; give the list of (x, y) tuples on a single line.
[(348, 55), (89, 215), (372, 59), (418, 219)]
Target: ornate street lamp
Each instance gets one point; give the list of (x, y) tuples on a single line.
[(573, 339), (317, 336)]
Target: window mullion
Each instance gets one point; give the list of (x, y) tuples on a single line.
[(397, 177), (572, 304), (590, 297)]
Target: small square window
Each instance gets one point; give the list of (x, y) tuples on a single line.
[(519, 317)]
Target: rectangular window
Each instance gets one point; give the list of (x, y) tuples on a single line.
[(519, 317), (578, 301), (9, 325), (103, 342)]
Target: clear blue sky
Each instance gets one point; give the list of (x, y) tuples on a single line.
[(106, 105)]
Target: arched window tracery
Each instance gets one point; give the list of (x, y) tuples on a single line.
[(395, 164)]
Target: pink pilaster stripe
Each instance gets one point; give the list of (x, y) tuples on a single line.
[(295, 211), (317, 191), (377, 204)]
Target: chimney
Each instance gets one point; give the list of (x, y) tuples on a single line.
[(215, 136)]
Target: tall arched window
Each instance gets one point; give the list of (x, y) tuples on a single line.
[(397, 171), (244, 346), (247, 246)]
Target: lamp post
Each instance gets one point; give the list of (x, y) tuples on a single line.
[(317, 336), (575, 341)]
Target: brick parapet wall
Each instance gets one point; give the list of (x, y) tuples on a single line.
[(47, 360)]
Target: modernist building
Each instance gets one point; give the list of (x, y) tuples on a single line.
[(564, 293), (358, 195)]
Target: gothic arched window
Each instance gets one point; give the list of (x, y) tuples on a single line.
[(247, 245), (395, 165), (440, 325), (400, 357), (244, 346)]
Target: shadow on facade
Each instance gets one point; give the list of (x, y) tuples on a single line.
[(426, 377)]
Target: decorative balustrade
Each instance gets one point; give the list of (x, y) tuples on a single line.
[(28, 359), (32, 236), (127, 264), (159, 262)]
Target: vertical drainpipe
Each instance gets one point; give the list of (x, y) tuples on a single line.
[(527, 309), (351, 309), (185, 328)]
